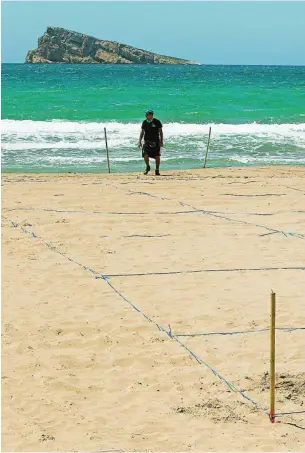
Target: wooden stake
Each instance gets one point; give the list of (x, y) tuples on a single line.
[(272, 359), (206, 154), (108, 163)]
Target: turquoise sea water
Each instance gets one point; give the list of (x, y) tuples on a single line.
[(53, 116)]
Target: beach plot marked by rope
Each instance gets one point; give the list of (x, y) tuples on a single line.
[(150, 319), (205, 212)]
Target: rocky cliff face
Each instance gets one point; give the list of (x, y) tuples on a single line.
[(58, 45)]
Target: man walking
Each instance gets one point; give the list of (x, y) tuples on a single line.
[(152, 132)]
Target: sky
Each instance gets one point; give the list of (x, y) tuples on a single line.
[(270, 33)]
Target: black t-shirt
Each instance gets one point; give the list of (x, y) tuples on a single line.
[(151, 130)]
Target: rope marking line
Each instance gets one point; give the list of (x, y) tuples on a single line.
[(83, 211), (196, 271), (281, 329)]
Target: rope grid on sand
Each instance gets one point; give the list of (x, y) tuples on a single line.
[(175, 337)]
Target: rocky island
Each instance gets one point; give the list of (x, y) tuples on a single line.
[(58, 45)]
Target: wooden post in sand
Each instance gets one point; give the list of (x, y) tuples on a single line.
[(272, 358), (107, 150), (206, 154)]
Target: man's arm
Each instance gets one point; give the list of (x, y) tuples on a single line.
[(161, 137), (140, 138)]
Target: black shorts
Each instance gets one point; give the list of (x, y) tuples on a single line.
[(151, 151)]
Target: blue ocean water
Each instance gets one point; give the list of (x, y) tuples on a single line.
[(53, 116)]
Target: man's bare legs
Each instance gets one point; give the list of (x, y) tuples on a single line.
[(146, 159)]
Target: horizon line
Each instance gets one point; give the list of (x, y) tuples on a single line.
[(154, 64)]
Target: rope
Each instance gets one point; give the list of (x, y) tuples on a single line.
[(283, 329), (282, 414), (146, 236), (140, 213), (259, 195), (142, 274), (55, 210), (267, 234), (293, 188), (289, 329)]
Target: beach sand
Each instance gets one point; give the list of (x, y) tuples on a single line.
[(84, 370)]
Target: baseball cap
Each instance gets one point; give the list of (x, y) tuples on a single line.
[(149, 111)]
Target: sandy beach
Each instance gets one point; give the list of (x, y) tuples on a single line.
[(97, 268)]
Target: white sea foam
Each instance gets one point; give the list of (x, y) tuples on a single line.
[(82, 143), (87, 129)]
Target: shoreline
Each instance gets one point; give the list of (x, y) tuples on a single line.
[(225, 169)]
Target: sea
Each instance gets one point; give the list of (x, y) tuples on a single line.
[(54, 116)]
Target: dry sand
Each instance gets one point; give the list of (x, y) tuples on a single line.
[(82, 370)]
